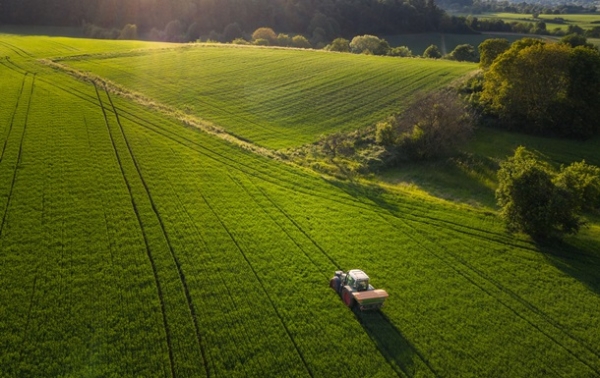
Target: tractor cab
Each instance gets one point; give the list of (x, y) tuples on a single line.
[(357, 280)]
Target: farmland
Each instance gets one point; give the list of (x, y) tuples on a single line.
[(131, 245), (275, 98)]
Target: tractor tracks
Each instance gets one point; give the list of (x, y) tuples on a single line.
[(19, 154), (262, 285), (166, 234), (476, 274), (148, 252)]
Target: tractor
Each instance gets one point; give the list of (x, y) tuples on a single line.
[(355, 290)]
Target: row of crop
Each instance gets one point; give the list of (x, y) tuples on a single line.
[(84, 309), (275, 97), (260, 263)]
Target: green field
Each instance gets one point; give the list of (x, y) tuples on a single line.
[(584, 21), (276, 98), (131, 245)]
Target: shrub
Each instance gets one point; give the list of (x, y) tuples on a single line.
[(464, 53), (240, 41), (432, 52), (262, 42), (401, 51), (369, 43), (339, 44), (433, 126), (301, 42), (384, 133), (284, 40)]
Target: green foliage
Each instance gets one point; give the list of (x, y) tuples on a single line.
[(583, 182), (541, 203), (545, 88), (385, 133), (232, 31), (261, 42), (401, 51), (265, 33), (284, 40), (432, 52), (240, 41), (365, 44), (490, 49), (575, 40), (301, 42), (464, 53), (339, 44), (128, 240)]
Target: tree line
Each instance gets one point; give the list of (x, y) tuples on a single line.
[(332, 18)]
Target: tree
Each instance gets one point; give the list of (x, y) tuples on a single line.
[(301, 42), (583, 182), (529, 199), (575, 40), (265, 33), (362, 44), (463, 53), (490, 49), (432, 52), (545, 88), (339, 44), (129, 32), (401, 51), (174, 31), (231, 32)]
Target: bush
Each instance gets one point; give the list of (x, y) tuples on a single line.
[(339, 44), (432, 52), (301, 42), (194, 31), (384, 133), (537, 201), (464, 53), (262, 42), (433, 126), (401, 51), (362, 44), (240, 41), (284, 40)]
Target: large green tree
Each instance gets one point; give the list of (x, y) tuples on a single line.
[(545, 88)]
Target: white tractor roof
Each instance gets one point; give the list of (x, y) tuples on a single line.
[(358, 274)]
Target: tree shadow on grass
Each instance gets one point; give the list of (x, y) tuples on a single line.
[(401, 354), (577, 257)]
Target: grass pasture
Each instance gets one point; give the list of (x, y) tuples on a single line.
[(584, 21), (133, 246), (276, 98)]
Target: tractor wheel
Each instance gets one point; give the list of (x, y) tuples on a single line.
[(347, 297), (334, 283)]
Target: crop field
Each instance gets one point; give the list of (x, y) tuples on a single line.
[(272, 97), (131, 245), (553, 21)]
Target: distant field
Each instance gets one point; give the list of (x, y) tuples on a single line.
[(131, 245), (585, 21), (273, 97)]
